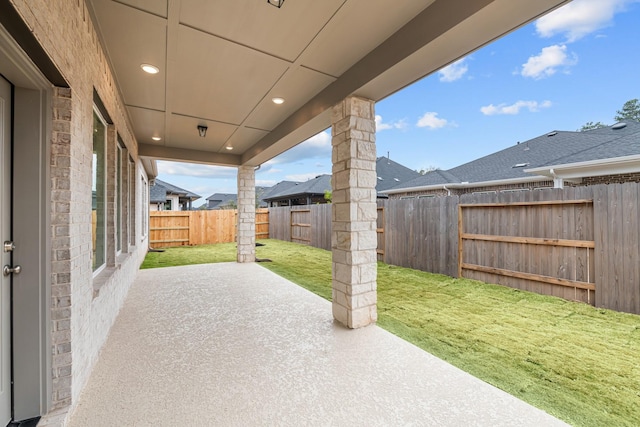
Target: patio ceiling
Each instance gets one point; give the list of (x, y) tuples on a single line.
[(222, 62)]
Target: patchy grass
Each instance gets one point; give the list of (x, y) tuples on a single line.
[(575, 362)]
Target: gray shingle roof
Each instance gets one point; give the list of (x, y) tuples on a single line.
[(391, 174), (277, 189), (218, 200), (553, 148), (157, 194), (315, 186), (172, 189)]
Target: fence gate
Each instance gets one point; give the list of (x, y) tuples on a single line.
[(545, 247), (301, 226)]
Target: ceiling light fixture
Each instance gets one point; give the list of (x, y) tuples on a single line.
[(202, 130), (228, 147), (156, 138), (151, 69), (277, 100), (276, 3)]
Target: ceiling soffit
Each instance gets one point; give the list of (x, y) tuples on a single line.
[(221, 63)]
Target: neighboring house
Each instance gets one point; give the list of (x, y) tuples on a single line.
[(167, 197), (302, 193), (230, 201), (222, 201), (556, 159), (279, 188), (389, 174)]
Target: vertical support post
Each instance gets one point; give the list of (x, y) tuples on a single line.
[(460, 240), (354, 213), (246, 214)]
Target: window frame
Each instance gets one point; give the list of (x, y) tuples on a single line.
[(101, 205), (119, 196)]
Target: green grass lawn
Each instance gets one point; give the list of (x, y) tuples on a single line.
[(576, 362)]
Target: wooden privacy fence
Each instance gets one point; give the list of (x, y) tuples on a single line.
[(179, 228), (309, 225), (545, 247), (579, 243)]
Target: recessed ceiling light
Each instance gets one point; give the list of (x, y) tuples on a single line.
[(151, 69), (228, 147), (156, 138), (277, 100)]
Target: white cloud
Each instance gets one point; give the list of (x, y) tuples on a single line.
[(195, 170), (380, 125), (547, 62), (532, 106), (454, 71), (432, 121), (301, 177), (580, 18)]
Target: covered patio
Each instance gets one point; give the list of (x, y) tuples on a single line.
[(235, 344)]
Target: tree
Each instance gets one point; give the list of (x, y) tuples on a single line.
[(231, 204), (630, 111), (591, 126), (427, 170), (327, 195)]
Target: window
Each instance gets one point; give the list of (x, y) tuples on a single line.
[(99, 193), (119, 199), (132, 202), (167, 205), (145, 207)]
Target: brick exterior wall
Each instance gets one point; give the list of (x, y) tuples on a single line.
[(62, 252), (460, 191), (592, 180), (83, 307), (612, 179)]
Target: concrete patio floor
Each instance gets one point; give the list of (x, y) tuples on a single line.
[(236, 345)]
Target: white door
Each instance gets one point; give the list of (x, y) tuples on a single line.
[(5, 235)]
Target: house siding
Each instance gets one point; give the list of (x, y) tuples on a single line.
[(592, 180), (83, 307)]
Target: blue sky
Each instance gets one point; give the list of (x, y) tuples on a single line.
[(578, 64)]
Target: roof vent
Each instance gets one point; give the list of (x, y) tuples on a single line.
[(554, 133), (619, 126), (380, 178), (396, 179), (520, 165)]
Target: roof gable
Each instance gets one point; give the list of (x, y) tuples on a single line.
[(391, 174), (172, 189)]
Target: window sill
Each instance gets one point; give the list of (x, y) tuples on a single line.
[(103, 277)]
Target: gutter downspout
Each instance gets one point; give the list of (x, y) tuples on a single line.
[(444, 187), (557, 182)]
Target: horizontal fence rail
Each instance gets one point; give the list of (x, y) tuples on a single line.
[(180, 228), (530, 245), (578, 243)]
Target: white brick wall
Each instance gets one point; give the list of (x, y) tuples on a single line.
[(83, 308)]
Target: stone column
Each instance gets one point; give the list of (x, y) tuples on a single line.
[(246, 214), (353, 237)]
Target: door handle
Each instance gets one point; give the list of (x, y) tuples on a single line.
[(11, 270)]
